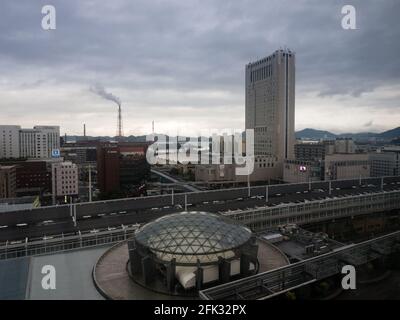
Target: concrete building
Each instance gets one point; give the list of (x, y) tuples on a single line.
[(385, 162), (79, 155), (313, 150), (345, 145), (33, 177), (65, 180), (347, 166), (317, 150), (121, 167), (296, 171), (270, 106), (215, 172), (334, 166), (39, 142), (9, 141), (8, 183)]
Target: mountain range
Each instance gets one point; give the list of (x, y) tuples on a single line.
[(306, 134), (313, 134)]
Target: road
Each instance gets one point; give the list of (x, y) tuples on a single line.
[(36, 224)]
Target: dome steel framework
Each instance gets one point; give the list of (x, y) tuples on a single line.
[(192, 237), (183, 251)]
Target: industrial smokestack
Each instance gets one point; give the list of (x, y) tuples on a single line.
[(119, 130), (84, 129), (99, 90)]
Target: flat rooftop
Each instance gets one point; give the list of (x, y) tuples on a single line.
[(21, 278)]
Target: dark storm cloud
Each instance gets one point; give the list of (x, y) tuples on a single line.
[(206, 43), (200, 45)]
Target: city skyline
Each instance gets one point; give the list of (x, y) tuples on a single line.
[(195, 78)]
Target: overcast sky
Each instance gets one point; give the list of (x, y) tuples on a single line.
[(181, 63)]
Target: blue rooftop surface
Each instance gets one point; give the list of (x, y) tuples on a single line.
[(14, 278)]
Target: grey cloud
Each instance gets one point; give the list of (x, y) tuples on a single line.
[(200, 45), (369, 124)]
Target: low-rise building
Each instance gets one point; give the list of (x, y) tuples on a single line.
[(65, 180), (33, 178), (385, 162), (9, 141), (347, 166), (311, 150), (215, 172), (39, 142), (296, 171), (121, 168), (8, 183)]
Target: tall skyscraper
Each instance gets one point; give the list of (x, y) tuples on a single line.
[(270, 103)]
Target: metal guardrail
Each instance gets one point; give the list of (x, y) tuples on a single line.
[(317, 210), (275, 282), (61, 244)]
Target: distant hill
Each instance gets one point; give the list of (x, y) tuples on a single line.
[(307, 134), (390, 134), (362, 136), (107, 138), (313, 134)]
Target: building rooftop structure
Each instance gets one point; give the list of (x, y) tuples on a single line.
[(192, 236)]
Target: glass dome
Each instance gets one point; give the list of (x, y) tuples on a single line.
[(192, 236)]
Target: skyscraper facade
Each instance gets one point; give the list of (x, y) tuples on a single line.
[(270, 107)]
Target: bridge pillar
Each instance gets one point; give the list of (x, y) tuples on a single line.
[(148, 269), (199, 276), (224, 268), (171, 270), (134, 258), (244, 264)]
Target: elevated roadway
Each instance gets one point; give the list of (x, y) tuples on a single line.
[(68, 220)]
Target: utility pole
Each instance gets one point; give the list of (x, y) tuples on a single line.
[(75, 215), (248, 183), (90, 183), (185, 202)]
